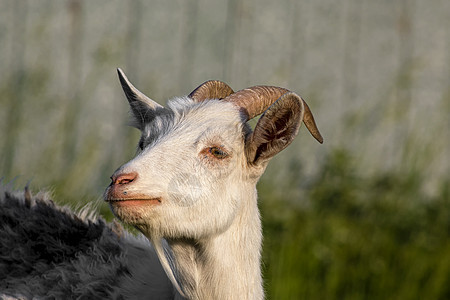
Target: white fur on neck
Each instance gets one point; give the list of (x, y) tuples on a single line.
[(224, 266)]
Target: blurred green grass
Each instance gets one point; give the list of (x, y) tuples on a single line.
[(357, 237)]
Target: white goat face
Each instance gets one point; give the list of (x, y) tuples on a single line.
[(188, 160), (196, 161)]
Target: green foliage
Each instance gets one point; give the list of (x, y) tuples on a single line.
[(353, 237)]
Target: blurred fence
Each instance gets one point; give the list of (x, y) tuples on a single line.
[(375, 73)]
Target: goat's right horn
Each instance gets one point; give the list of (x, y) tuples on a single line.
[(133, 94), (255, 100), (212, 89)]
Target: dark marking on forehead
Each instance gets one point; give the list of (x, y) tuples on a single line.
[(156, 128)]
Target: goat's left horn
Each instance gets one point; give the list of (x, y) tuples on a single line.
[(212, 89), (255, 100)]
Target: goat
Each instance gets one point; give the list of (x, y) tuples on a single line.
[(193, 181), (191, 190)]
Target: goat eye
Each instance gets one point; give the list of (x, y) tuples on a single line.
[(218, 152)]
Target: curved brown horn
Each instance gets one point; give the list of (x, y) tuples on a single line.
[(212, 89), (308, 119), (255, 100)]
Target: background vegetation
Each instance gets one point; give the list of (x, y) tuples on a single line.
[(364, 216)]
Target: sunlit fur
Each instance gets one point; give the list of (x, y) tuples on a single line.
[(208, 213), (171, 167)]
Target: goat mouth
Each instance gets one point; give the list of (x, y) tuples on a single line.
[(134, 202)]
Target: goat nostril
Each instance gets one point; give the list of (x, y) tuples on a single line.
[(123, 178)]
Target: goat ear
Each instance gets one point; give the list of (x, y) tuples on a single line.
[(275, 130), (143, 108)]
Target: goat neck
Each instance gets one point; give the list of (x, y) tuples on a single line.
[(223, 266)]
